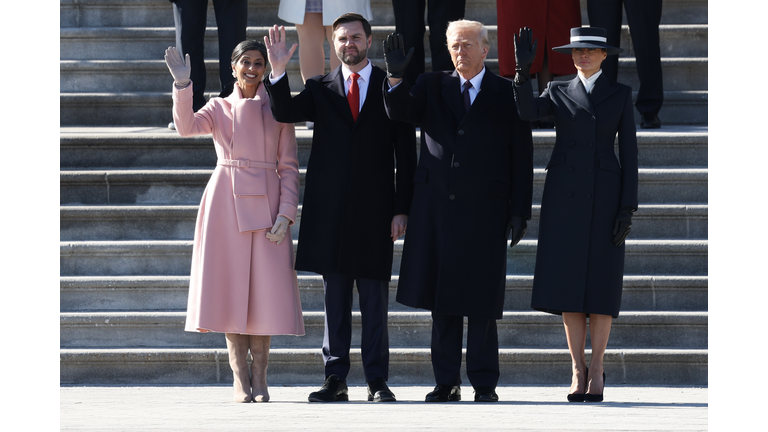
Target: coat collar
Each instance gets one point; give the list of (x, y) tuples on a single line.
[(237, 95), (485, 96), (576, 92)]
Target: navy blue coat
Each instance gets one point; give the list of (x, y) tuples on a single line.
[(349, 194), (474, 172), (578, 269)]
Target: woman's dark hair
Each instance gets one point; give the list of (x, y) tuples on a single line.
[(248, 45)]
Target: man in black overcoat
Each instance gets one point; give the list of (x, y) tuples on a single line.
[(472, 186), (352, 212)]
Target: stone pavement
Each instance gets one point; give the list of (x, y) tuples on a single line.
[(540, 408)]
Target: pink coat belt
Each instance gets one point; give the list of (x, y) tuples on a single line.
[(245, 163)]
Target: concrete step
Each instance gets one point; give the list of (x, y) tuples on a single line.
[(89, 76), (406, 330), (128, 222), (173, 257), (185, 186), (142, 13), (103, 147), (169, 293), (406, 366), (153, 109), (149, 43)]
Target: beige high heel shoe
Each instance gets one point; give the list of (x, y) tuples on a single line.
[(260, 353), (237, 347)]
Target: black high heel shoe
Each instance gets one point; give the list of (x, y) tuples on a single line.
[(578, 397), (595, 397)]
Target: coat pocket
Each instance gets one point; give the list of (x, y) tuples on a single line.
[(610, 165), (555, 160), (249, 181)]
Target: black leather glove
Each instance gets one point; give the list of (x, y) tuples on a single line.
[(622, 226), (516, 228), (525, 53), (395, 57)]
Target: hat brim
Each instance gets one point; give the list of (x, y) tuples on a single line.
[(567, 49)]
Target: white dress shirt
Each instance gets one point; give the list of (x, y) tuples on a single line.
[(362, 80), (475, 89), (588, 82)]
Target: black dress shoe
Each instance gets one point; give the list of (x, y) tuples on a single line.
[(379, 392), (334, 389), (486, 394), (650, 121), (595, 397), (578, 397), (444, 393)]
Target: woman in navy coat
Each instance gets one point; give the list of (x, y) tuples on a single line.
[(589, 196)]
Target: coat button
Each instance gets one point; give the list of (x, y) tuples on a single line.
[(573, 143), (455, 164), (589, 195), (573, 118), (591, 144), (570, 194), (452, 197), (589, 170), (570, 169), (461, 132)]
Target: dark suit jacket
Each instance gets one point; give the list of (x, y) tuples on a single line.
[(474, 172), (578, 269), (350, 195)]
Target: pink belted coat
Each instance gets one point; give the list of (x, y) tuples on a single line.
[(240, 281)]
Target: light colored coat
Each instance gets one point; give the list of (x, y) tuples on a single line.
[(240, 281), (293, 10)]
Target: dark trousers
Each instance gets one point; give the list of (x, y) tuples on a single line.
[(643, 17), (409, 22), (190, 19), (482, 350), (374, 299)]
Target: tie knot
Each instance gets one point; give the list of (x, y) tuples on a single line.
[(354, 76), (467, 85)]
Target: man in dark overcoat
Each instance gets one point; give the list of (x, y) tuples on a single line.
[(352, 212), (473, 184)]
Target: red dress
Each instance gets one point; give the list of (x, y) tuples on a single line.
[(551, 21)]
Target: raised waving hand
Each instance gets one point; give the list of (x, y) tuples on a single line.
[(278, 54)]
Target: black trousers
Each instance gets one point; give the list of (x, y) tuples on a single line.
[(374, 299), (409, 22), (482, 350), (643, 17), (190, 19)]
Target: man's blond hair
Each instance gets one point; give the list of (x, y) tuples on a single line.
[(463, 24)]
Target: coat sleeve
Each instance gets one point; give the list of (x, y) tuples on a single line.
[(288, 170), (187, 121), (404, 103), (404, 138), (521, 163), (528, 107), (287, 109), (628, 154)]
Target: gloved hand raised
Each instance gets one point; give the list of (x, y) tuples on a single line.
[(516, 228), (622, 225), (180, 69), (525, 53), (395, 57), (277, 234)]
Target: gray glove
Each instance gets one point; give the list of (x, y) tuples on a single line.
[(180, 69), (395, 57), (525, 53), (277, 234)]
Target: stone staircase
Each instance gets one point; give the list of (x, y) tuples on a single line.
[(129, 190)]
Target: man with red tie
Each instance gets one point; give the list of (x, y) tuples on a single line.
[(355, 204)]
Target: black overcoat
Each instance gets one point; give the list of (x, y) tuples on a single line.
[(578, 269), (474, 171), (349, 194)]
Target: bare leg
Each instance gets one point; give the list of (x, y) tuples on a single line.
[(311, 54), (599, 330), (237, 347), (576, 333), (260, 353)]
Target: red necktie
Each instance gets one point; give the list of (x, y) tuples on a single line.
[(353, 97)]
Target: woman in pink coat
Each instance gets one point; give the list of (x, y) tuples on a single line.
[(242, 282)]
